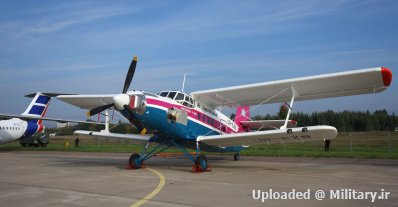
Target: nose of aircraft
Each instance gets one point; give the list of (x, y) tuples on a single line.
[(120, 100)]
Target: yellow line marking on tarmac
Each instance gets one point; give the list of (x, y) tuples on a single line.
[(162, 181)]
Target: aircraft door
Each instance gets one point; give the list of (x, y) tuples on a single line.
[(223, 126)]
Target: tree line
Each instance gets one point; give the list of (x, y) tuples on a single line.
[(345, 121)]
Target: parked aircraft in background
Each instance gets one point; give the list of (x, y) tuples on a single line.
[(29, 122), (194, 120)]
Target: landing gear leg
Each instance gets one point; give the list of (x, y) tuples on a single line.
[(200, 161), (136, 161), (237, 156)]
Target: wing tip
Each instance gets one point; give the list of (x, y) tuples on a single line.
[(387, 76)]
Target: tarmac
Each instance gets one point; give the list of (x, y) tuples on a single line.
[(100, 179)]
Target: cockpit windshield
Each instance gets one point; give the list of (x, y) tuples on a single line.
[(180, 97)]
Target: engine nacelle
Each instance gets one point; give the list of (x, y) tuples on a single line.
[(138, 103)]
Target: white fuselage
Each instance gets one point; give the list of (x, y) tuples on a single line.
[(12, 130)]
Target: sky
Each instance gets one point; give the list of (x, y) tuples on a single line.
[(86, 47)]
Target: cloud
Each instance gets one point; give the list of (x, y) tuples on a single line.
[(207, 22), (57, 18)]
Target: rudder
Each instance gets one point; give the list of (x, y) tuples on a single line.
[(38, 107)]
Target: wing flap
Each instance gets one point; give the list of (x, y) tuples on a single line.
[(132, 137), (298, 134), (348, 83)]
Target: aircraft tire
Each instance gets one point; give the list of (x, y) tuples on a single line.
[(237, 157), (201, 163), (135, 161)]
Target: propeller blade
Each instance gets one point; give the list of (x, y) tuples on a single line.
[(138, 125), (99, 109), (130, 74), (128, 109)]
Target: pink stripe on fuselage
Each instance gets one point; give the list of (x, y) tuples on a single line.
[(193, 113)]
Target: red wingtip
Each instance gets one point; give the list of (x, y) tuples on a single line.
[(387, 76)]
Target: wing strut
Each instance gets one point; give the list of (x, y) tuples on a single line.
[(106, 130), (294, 94)]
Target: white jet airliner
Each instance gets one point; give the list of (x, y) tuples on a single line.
[(29, 122)]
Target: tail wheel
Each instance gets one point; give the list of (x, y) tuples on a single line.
[(135, 161), (237, 157), (201, 163)]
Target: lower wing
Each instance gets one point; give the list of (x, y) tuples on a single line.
[(102, 134), (298, 134)]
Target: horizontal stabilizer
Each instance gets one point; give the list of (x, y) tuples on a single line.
[(48, 94), (267, 124)]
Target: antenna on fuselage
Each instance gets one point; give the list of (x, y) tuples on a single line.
[(183, 83)]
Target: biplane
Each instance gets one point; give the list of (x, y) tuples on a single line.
[(194, 121)]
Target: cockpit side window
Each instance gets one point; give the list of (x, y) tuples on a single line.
[(180, 96)]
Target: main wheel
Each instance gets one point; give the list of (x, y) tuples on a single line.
[(237, 157), (201, 163), (135, 161)]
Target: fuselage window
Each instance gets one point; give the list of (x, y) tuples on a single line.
[(198, 116)]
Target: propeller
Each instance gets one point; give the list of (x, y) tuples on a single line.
[(99, 109), (130, 74), (121, 101)]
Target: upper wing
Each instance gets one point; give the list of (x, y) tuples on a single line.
[(87, 101), (271, 136), (267, 124), (133, 137), (313, 87), (24, 117)]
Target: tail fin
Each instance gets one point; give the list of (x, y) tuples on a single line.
[(38, 106), (242, 114)]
